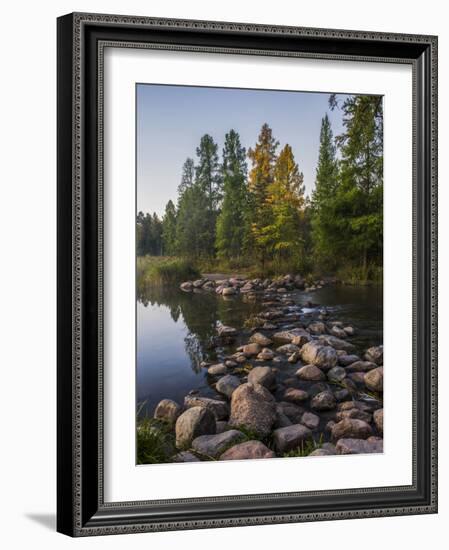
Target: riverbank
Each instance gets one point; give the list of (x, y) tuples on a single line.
[(288, 382)]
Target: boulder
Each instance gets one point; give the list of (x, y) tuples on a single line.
[(338, 332), (287, 336), (185, 456), (291, 411), (261, 339), (337, 343), (294, 357), (251, 349), (264, 376), (310, 420), (379, 420), (323, 401), (374, 379), (229, 291), (227, 384), (294, 395), (291, 437), (336, 374), (214, 445), (360, 366), (193, 423), (222, 426), (349, 330), (351, 428), (288, 349), (224, 330), (253, 407), (346, 360), (167, 410), (342, 395), (217, 370), (310, 373), (349, 446), (220, 409), (321, 356), (375, 355), (317, 327), (248, 450), (266, 355), (186, 287), (354, 413), (199, 283)]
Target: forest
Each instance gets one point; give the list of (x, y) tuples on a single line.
[(247, 209)]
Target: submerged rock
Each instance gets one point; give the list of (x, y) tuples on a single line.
[(288, 349), (266, 355), (193, 423), (253, 407), (336, 374), (346, 360), (248, 450)]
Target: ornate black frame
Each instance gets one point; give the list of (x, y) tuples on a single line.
[(81, 39)]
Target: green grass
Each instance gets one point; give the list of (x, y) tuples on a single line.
[(155, 442), (373, 274), (305, 448), (164, 270)]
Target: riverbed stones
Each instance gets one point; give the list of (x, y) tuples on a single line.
[(224, 330), (192, 423), (292, 411), (361, 366), (310, 420), (227, 385), (338, 332), (354, 413), (251, 349), (288, 349), (336, 343), (317, 327), (310, 373), (346, 360), (336, 374), (375, 354), (253, 407), (266, 355), (261, 339), (264, 376), (289, 438), (374, 379), (350, 446), (287, 336), (248, 450), (321, 356), (185, 456), (351, 428), (228, 291), (167, 410), (323, 401), (379, 420), (350, 331), (212, 446), (220, 409), (294, 395), (217, 370), (186, 287)]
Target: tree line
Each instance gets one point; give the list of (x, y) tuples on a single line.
[(249, 207)]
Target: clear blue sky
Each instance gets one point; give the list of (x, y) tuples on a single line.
[(172, 119)]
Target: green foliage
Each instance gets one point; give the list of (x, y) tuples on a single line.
[(148, 234), (169, 230), (155, 442), (306, 447), (157, 271)]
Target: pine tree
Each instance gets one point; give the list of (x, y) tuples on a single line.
[(207, 171), (232, 220), (169, 229), (188, 176), (261, 176)]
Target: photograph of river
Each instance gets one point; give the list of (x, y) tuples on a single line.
[(259, 241)]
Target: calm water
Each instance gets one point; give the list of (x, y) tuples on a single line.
[(175, 331)]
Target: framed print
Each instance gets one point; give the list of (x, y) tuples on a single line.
[(246, 238)]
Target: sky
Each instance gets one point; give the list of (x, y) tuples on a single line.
[(172, 119)]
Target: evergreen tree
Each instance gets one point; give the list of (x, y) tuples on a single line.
[(232, 220), (207, 171), (192, 225), (169, 229), (261, 176), (187, 177)]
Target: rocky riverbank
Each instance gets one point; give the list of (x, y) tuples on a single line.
[(290, 382)]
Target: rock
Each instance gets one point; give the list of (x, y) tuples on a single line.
[(354, 413), (220, 409), (253, 407), (361, 366), (294, 395), (288, 349), (290, 437), (266, 355), (264, 376), (329, 426), (231, 364), (357, 377), (336, 374), (310, 373), (328, 446), (338, 332), (379, 420), (261, 339), (337, 343), (324, 401), (222, 426), (227, 384), (167, 410), (351, 428), (321, 452), (193, 423), (374, 379), (186, 287), (224, 330), (375, 355), (346, 360), (291, 411), (248, 450), (214, 445), (317, 327), (287, 336), (341, 395), (229, 291), (360, 405), (185, 456), (217, 370), (198, 283), (321, 356), (251, 349), (349, 446), (294, 357), (310, 420), (349, 331)]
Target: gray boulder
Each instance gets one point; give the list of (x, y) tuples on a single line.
[(321, 356), (263, 376), (336, 374), (310, 420), (253, 407), (360, 366), (374, 379), (288, 349), (349, 446), (294, 395), (193, 423), (351, 428), (323, 401), (248, 450), (291, 437), (310, 373), (185, 456), (220, 409), (227, 384), (217, 370), (214, 445), (261, 339), (375, 355), (167, 410)]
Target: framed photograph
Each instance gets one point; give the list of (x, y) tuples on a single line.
[(246, 238)]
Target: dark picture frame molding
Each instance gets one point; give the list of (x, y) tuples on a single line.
[(82, 37)]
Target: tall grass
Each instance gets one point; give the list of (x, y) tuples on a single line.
[(164, 270)]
